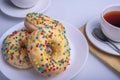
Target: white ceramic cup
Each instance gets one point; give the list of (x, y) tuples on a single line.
[(111, 31), (24, 3)]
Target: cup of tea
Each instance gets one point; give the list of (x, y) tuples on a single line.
[(24, 3), (110, 22)]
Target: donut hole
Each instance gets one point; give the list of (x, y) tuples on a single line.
[(22, 47), (52, 48), (49, 50)]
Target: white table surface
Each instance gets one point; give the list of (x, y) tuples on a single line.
[(76, 12)]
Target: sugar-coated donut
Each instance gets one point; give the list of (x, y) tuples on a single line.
[(40, 44), (14, 50), (35, 20)]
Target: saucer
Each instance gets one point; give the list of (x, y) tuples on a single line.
[(8, 8), (104, 47)]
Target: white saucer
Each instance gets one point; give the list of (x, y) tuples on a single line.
[(89, 28), (8, 8)]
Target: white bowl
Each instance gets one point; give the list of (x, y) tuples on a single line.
[(24, 3), (111, 31)]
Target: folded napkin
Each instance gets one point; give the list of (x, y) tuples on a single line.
[(111, 60)]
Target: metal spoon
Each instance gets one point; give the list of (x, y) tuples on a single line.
[(98, 34)]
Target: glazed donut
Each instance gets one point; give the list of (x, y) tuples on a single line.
[(49, 55), (14, 50), (34, 21)]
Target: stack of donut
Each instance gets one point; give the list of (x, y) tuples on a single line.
[(45, 46)]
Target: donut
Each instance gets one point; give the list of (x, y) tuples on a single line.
[(50, 55), (14, 50), (34, 21)]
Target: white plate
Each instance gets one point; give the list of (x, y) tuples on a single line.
[(79, 54), (89, 28), (8, 8)]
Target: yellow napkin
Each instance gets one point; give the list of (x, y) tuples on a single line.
[(110, 60)]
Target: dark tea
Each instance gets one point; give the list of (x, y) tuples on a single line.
[(113, 18)]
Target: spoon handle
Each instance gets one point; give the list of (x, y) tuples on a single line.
[(113, 46)]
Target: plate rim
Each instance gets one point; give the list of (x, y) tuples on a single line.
[(86, 43), (47, 6), (89, 23)]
